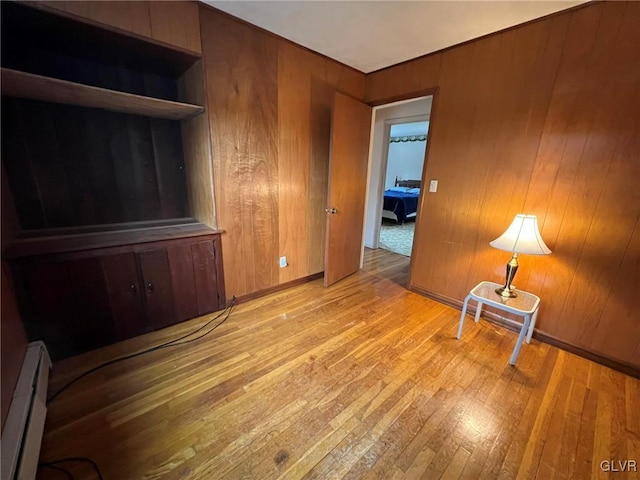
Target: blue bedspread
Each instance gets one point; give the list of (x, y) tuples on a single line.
[(400, 203)]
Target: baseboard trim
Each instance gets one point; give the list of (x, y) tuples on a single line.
[(622, 367), (278, 288), (541, 335)]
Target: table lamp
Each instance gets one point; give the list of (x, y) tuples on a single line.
[(522, 236)]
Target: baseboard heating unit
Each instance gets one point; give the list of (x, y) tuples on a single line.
[(22, 434)]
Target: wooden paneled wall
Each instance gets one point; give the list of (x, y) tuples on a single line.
[(542, 119), (269, 107)]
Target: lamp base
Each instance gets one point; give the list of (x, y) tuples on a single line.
[(506, 292), (512, 268)]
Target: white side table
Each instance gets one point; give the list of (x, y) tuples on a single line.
[(525, 304)]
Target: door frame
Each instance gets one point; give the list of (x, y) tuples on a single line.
[(380, 170)]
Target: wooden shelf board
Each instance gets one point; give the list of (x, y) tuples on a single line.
[(36, 87), (30, 245)]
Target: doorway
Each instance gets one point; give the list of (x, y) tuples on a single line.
[(394, 172), (405, 160)]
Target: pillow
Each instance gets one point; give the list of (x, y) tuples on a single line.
[(414, 190), (399, 189)]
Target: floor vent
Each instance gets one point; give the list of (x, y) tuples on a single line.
[(22, 434)]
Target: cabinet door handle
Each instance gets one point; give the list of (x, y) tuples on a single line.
[(150, 287), (134, 289)]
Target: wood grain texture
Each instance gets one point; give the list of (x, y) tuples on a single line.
[(25, 197), (36, 87), (183, 282), (124, 290), (511, 133), (172, 22), (158, 293), (176, 23), (82, 300), (132, 16), (362, 380), (196, 144), (350, 129), (205, 274), (242, 62), (320, 143), (294, 99), (270, 149), (68, 166)]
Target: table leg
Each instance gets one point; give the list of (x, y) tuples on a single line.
[(533, 324), (523, 330), (478, 311), (464, 312)]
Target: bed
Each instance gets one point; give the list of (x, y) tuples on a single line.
[(401, 201)]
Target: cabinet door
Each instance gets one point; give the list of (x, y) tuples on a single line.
[(194, 276), (156, 277), (183, 281), (205, 274), (64, 303), (125, 295), (45, 296), (92, 316)]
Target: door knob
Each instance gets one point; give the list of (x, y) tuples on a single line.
[(332, 211)]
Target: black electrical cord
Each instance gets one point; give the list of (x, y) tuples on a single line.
[(54, 465), (172, 343), (59, 469)]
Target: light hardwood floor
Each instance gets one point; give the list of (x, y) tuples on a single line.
[(360, 380)]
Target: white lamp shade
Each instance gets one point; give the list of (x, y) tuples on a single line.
[(522, 236)]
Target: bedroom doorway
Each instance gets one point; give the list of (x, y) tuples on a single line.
[(400, 133), (405, 161)]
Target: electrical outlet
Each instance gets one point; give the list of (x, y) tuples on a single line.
[(283, 262), (433, 186)]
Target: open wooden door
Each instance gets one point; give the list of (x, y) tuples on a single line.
[(350, 130)]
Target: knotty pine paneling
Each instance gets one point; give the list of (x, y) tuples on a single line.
[(541, 119), (269, 107)]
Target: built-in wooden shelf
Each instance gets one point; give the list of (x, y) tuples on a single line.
[(61, 240), (36, 87)]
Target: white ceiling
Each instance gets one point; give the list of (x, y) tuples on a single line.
[(370, 35)]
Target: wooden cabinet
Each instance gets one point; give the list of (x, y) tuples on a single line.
[(64, 302), (155, 276), (106, 162), (173, 22), (96, 119), (78, 301), (125, 295)]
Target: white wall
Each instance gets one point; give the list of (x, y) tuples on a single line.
[(405, 161), (384, 117)]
